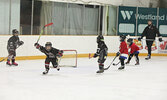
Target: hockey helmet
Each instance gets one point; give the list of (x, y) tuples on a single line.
[(14, 31), (122, 37), (100, 38), (130, 41), (48, 46)]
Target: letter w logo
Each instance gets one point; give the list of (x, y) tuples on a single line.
[(126, 14)]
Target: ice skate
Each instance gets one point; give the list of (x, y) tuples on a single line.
[(15, 64), (148, 57), (100, 71), (8, 63), (122, 67)]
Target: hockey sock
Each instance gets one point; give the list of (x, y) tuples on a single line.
[(47, 66), (137, 58), (130, 57), (101, 66), (122, 61)]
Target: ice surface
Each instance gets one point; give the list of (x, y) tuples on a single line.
[(148, 81)]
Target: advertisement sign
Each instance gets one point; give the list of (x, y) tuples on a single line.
[(154, 46), (162, 46), (145, 14), (138, 43), (127, 20), (162, 20)]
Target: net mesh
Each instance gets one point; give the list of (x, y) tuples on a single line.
[(69, 59)]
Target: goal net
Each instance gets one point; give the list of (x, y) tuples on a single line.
[(69, 58)]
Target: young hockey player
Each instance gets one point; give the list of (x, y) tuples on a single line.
[(13, 44), (51, 53), (134, 51), (101, 53), (123, 52)]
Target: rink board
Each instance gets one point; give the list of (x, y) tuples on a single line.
[(72, 56)]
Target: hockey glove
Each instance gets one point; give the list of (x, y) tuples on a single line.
[(160, 40), (37, 45), (20, 43), (117, 54), (95, 55), (60, 53), (139, 39)]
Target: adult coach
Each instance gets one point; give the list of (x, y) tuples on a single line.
[(150, 32)]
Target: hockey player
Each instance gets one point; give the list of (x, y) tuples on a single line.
[(123, 52), (134, 50), (51, 53), (102, 52), (13, 44)]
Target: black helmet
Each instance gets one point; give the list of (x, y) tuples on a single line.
[(122, 37), (100, 38), (130, 40), (48, 44), (14, 31)]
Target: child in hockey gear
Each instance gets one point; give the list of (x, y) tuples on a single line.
[(51, 53), (13, 44), (102, 52), (123, 52), (134, 51)]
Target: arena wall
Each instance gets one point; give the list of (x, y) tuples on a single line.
[(83, 44)]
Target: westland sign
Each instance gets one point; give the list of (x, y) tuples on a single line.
[(126, 15), (132, 20), (151, 17)]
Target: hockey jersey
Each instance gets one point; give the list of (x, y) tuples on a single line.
[(133, 48), (123, 48), (53, 53), (13, 42)]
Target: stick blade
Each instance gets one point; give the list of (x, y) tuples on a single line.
[(89, 55), (48, 24), (107, 68)]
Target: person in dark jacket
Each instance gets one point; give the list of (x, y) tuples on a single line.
[(150, 32), (13, 43)]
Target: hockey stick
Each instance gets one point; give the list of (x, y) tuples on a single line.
[(149, 39), (43, 30), (8, 55), (110, 63), (3, 59), (115, 64), (90, 56)]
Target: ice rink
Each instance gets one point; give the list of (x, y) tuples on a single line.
[(148, 81)]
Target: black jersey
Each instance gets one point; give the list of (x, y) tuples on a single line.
[(13, 42), (53, 53), (150, 32), (101, 47)]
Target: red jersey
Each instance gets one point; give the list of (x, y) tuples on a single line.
[(134, 48), (123, 48)]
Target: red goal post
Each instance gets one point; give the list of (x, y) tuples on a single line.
[(69, 58)]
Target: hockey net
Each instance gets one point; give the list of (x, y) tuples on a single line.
[(69, 59)]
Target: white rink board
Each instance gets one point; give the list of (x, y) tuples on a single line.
[(83, 44)]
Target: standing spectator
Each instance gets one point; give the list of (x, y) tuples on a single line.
[(150, 32)]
